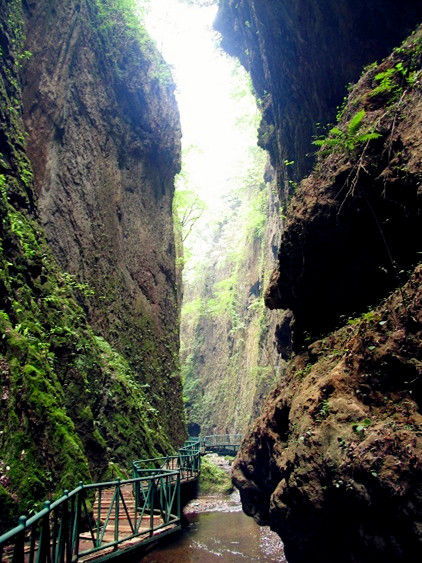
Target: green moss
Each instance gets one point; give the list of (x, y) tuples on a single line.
[(8, 512), (122, 19), (73, 408), (214, 479)]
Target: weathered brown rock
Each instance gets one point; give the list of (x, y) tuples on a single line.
[(104, 141), (352, 230), (333, 464)]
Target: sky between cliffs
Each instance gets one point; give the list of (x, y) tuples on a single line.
[(218, 111)]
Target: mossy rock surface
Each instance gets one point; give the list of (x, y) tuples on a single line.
[(214, 479), (73, 406)]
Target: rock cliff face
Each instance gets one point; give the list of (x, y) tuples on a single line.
[(229, 350), (301, 55), (333, 463), (104, 143), (88, 305)]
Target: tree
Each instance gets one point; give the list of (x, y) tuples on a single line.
[(188, 208)]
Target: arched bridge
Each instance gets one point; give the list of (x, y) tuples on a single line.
[(100, 521)]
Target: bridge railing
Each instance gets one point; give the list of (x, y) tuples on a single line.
[(222, 440), (70, 529), (187, 462), (77, 525)]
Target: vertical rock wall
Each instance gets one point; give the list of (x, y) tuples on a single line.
[(333, 463), (301, 55), (88, 359), (104, 142)]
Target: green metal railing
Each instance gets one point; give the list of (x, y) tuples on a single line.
[(222, 439), (222, 443), (95, 519)]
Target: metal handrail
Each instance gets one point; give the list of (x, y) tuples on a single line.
[(78, 524), (222, 439)]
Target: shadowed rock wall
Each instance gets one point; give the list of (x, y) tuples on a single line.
[(301, 55), (333, 462)]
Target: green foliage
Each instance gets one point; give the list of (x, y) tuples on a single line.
[(360, 427), (121, 20), (115, 12), (193, 309), (370, 316), (213, 479), (260, 373), (346, 140), (188, 208), (392, 82), (22, 57), (323, 410), (82, 288), (223, 301), (304, 371), (256, 215)]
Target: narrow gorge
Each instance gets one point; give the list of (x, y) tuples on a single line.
[(210, 226)]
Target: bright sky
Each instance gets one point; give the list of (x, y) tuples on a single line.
[(217, 108), (207, 81)]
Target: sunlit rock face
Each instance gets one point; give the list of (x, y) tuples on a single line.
[(230, 358), (333, 462), (104, 142)]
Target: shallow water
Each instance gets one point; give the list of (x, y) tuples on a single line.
[(221, 536)]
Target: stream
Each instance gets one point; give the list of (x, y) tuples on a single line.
[(218, 530)]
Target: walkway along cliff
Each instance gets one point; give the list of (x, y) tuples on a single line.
[(89, 291), (90, 144), (333, 463)]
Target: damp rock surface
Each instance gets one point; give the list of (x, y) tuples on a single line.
[(333, 464)]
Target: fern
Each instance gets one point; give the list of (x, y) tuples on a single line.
[(356, 122), (346, 141)]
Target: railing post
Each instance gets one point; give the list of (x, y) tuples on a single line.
[(152, 500), (19, 551), (45, 539), (98, 522), (116, 511), (179, 505), (67, 526), (77, 522)]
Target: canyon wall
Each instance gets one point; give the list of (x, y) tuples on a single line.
[(229, 350), (333, 462), (301, 55), (90, 144)]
